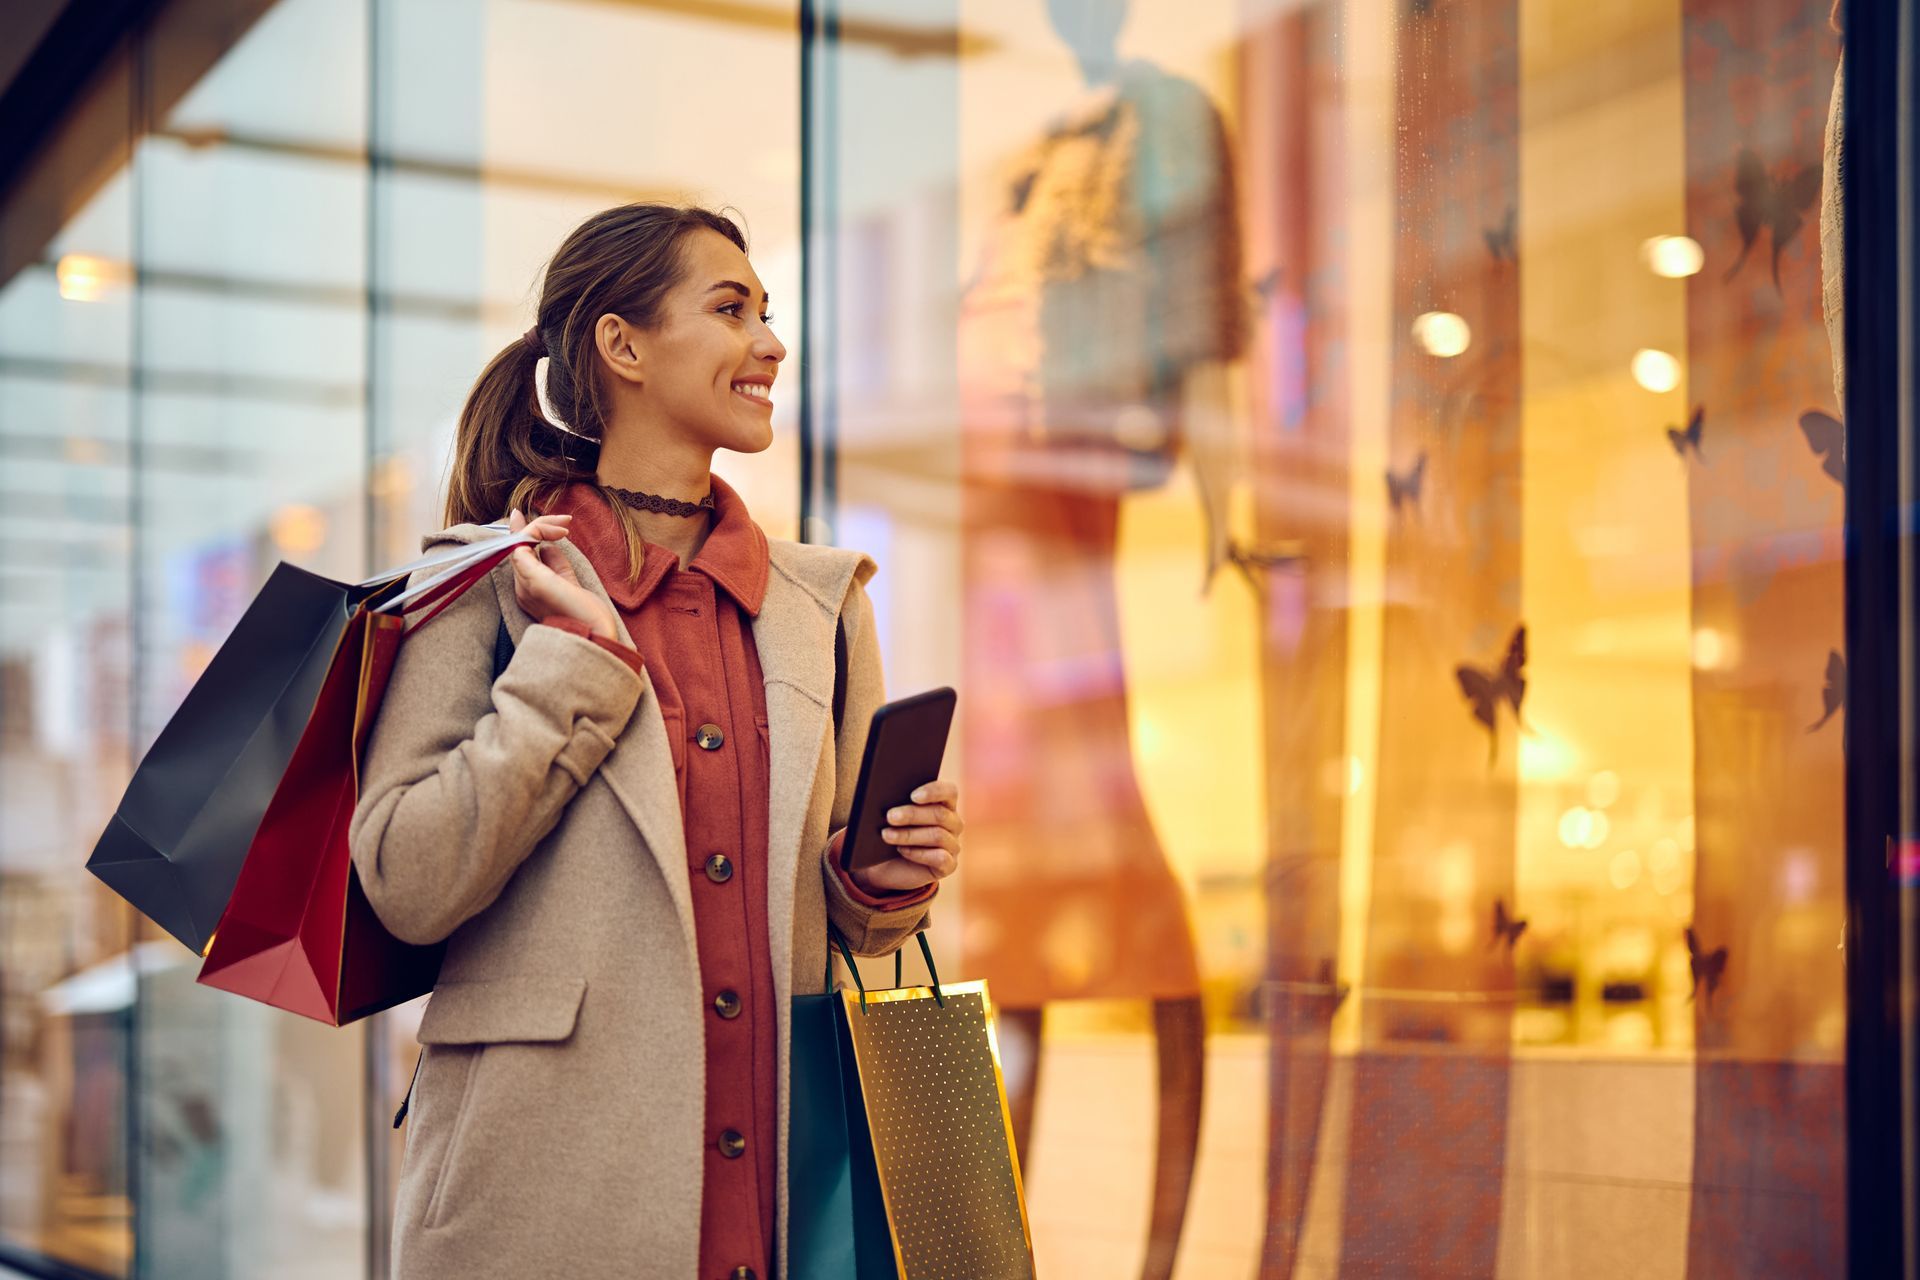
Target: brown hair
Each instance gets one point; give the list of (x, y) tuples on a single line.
[(622, 261)]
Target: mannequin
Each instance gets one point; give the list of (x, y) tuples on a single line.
[(1107, 292)]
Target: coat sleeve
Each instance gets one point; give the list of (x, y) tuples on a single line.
[(870, 931), (460, 781)]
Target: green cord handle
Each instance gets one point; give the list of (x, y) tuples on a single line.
[(933, 974), (837, 939)]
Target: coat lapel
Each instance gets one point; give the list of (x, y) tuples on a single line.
[(794, 637), (639, 770)]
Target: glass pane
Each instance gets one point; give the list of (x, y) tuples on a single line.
[(181, 369), (250, 212), (1387, 450), (66, 681), (484, 170)]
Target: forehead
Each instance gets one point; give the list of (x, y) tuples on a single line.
[(711, 258)]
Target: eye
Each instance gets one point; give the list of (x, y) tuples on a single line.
[(733, 309)]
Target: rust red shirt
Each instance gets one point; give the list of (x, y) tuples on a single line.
[(692, 634)]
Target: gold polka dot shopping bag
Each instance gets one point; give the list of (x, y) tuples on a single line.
[(900, 1159)]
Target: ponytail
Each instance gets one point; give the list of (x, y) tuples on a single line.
[(505, 454)]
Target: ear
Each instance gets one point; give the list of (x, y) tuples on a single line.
[(621, 347)]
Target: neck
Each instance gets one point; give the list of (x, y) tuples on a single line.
[(685, 475)]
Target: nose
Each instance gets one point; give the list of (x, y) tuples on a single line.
[(768, 347)]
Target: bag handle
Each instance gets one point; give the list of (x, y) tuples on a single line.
[(459, 552), (836, 939), (456, 579)]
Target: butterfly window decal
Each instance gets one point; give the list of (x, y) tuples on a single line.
[(1828, 440), (1690, 437), (1707, 967), (1833, 695), (1485, 689), (1506, 929), (1403, 487), (1500, 240), (1775, 205)]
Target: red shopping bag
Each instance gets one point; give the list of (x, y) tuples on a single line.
[(298, 932)]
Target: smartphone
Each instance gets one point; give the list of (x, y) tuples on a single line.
[(905, 744)]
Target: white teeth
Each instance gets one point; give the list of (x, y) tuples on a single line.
[(753, 389)]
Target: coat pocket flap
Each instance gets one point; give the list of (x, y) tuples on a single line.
[(502, 1010)]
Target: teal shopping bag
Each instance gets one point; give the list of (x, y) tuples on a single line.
[(900, 1152)]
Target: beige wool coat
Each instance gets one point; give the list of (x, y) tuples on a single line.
[(556, 1125)]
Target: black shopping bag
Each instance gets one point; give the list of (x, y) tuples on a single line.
[(176, 843)]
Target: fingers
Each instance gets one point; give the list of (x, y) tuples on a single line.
[(926, 815), (527, 573), (927, 834), (941, 862), (939, 791), (895, 876), (936, 849), (544, 528)]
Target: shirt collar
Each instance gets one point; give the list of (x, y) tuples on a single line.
[(734, 554)]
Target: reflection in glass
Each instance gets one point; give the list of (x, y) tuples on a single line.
[(1108, 281)]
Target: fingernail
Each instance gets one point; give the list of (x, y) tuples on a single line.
[(896, 815), (919, 794)]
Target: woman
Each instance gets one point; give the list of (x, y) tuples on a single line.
[(625, 838)]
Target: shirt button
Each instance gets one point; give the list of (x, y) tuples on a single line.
[(719, 868), (741, 1273), (708, 737), (727, 1004), (733, 1144)]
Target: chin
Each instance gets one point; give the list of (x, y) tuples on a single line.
[(751, 442)]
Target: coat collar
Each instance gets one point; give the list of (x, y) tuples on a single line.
[(734, 555)]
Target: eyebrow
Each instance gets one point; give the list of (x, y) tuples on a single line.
[(740, 289)]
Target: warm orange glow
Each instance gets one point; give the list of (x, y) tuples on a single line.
[(299, 530), (1673, 257), (86, 278), (1442, 334)]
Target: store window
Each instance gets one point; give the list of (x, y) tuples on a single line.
[(1371, 467), (1384, 455)]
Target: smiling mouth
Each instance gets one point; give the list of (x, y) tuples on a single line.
[(754, 391)]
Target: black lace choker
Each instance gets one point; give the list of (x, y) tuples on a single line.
[(662, 506)]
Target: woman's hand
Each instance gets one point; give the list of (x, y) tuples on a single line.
[(544, 582), (926, 840)]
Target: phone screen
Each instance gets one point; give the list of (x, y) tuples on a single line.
[(905, 745)]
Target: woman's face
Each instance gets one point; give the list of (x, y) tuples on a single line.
[(708, 365)]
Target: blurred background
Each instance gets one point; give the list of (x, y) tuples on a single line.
[(1371, 467)]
